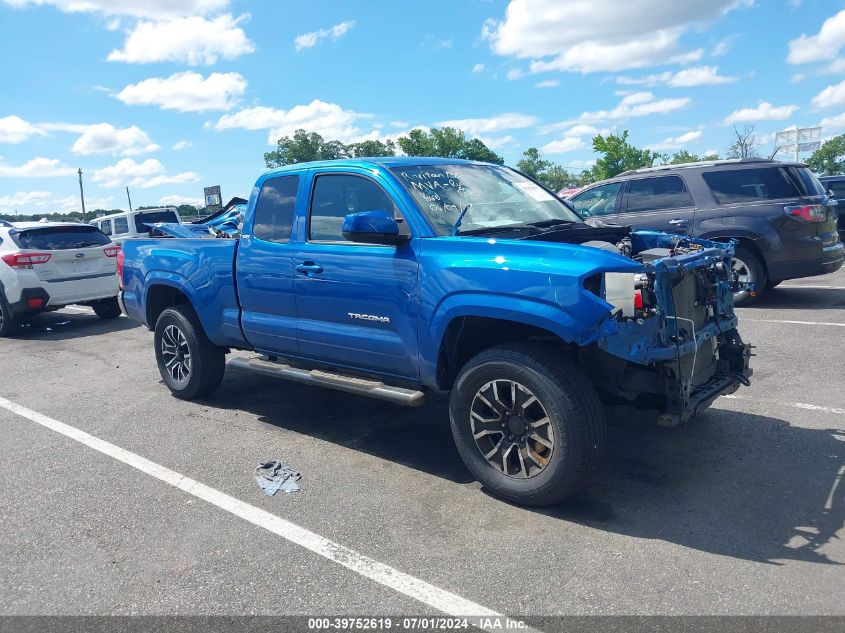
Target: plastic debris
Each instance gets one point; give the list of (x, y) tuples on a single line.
[(276, 475)]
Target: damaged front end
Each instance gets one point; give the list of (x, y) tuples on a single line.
[(669, 341)]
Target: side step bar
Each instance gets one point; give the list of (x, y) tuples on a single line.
[(331, 380)]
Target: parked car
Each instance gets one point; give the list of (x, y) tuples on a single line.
[(48, 265), (393, 277), (121, 226), (836, 185), (784, 222)]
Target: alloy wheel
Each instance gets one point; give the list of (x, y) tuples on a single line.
[(175, 354), (512, 429)]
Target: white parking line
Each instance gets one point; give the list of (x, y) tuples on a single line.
[(797, 405), (742, 318), (390, 577), (813, 287)]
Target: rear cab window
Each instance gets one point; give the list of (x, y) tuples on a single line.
[(57, 238), (730, 186), (105, 227), (275, 208), (144, 219), (658, 193)]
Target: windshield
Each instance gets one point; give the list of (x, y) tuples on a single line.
[(497, 197)]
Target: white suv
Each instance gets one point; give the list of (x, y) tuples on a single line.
[(48, 265)]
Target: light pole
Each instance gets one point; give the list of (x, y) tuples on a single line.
[(82, 195)]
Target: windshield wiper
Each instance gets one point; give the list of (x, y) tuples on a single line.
[(553, 222), (457, 225), (502, 228)]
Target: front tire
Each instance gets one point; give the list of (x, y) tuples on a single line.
[(190, 365), (527, 423), (8, 322), (107, 308)]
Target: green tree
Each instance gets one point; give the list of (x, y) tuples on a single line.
[(684, 156), (372, 148), (829, 159), (532, 164), (447, 142), (304, 147), (618, 155)]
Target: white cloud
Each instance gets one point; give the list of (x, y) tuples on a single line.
[(763, 112), (635, 104), (23, 198), (584, 130), (193, 40), (496, 142), (579, 164), (435, 43), (328, 119), (515, 73), (187, 91), (836, 122), (104, 138), (175, 200), (14, 129), (721, 47), (830, 96), (179, 145), (547, 83), (686, 78), (599, 35), (566, 144), (823, 45), (133, 8), (477, 69), (493, 124), (307, 40), (150, 173), (37, 168), (678, 142)]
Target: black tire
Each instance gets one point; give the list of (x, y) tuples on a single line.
[(204, 372), (757, 275), (8, 322), (107, 308), (569, 401)]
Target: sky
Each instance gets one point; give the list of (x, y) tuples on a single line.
[(169, 96)]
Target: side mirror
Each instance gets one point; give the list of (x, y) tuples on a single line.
[(373, 227)]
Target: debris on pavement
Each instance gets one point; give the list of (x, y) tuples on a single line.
[(276, 475)]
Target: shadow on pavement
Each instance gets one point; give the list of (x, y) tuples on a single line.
[(729, 483), (803, 298), (61, 326)]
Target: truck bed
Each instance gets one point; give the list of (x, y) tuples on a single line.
[(204, 268)]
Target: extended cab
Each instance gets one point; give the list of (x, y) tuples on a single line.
[(393, 277)]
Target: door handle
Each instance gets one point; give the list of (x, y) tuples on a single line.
[(309, 269), (679, 222)]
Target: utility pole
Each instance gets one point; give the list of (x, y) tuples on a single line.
[(82, 195), (128, 198)]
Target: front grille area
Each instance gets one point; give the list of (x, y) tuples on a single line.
[(685, 297)]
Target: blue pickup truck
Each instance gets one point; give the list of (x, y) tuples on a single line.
[(396, 277)]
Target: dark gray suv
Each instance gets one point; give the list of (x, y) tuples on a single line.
[(782, 217)]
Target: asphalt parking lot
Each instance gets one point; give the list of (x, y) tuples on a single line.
[(739, 512)]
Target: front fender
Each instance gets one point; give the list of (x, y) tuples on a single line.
[(583, 328)]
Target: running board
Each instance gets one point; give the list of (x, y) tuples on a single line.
[(331, 380)]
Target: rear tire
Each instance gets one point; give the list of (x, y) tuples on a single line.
[(107, 308), (190, 365), (8, 322), (750, 266), (544, 470)]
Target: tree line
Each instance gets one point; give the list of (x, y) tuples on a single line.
[(614, 154), (614, 151)]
